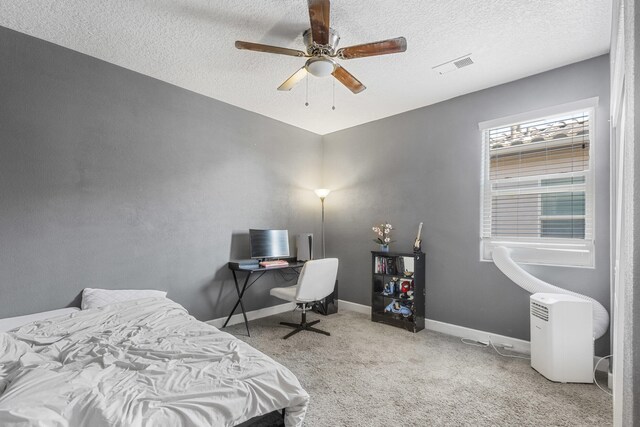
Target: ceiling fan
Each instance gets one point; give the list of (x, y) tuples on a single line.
[(322, 41)]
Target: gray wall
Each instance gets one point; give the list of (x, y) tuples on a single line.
[(112, 179), (633, 364), (424, 165)]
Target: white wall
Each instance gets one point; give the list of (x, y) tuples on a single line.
[(626, 241)]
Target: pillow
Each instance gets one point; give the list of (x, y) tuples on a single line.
[(15, 322), (93, 298)]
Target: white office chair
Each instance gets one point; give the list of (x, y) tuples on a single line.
[(316, 281)]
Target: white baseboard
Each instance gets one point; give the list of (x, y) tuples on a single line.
[(517, 345), (253, 315), (353, 306)]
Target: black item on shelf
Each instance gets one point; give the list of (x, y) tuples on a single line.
[(400, 265), (391, 266)]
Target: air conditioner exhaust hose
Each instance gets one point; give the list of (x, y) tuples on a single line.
[(502, 258)]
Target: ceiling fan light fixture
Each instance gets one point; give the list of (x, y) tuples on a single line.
[(320, 67)]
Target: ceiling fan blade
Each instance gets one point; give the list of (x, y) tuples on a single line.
[(319, 15), (294, 79), (347, 79), (382, 47), (269, 49)]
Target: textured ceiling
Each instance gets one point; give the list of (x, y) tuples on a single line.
[(190, 43)]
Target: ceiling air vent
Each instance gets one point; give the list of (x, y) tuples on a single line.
[(454, 64), (463, 62)]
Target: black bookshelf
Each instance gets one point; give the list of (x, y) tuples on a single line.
[(385, 266)]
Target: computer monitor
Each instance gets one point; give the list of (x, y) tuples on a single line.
[(269, 244)]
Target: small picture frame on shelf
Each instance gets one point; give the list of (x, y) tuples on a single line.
[(408, 265)]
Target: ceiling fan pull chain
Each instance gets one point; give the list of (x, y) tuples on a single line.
[(333, 83), (306, 97)]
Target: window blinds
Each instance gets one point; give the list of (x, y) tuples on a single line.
[(537, 181)]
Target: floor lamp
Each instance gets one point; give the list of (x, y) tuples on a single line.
[(322, 193)]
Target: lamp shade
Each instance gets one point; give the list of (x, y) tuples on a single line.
[(320, 67), (322, 192)]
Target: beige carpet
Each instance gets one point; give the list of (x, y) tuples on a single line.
[(369, 374)]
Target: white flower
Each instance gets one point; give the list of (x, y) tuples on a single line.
[(382, 231)]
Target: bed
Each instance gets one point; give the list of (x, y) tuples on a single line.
[(145, 362)]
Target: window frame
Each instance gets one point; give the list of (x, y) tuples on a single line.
[(565, 252)]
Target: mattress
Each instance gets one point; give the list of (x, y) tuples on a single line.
[(138, 363), (15, 322)]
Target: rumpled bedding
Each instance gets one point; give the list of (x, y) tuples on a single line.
[(138, 363)]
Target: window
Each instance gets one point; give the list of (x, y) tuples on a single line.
[(563, 213), (538, 185)]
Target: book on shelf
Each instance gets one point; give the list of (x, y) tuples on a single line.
[(376, 267), (385, 265)]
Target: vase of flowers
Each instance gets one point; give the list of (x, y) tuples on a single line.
[(384, 235)]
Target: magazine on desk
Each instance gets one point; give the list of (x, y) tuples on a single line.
[(274, 263)]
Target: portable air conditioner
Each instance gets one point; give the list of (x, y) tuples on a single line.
[(562, 337)]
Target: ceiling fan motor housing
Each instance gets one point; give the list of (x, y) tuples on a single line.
[(314, 49)]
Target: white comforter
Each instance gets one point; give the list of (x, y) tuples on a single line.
[(138, 363)]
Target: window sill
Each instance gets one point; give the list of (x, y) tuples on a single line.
[(574, 255)]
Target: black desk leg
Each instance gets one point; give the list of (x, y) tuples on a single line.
[(240, 295), (235, 279)]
